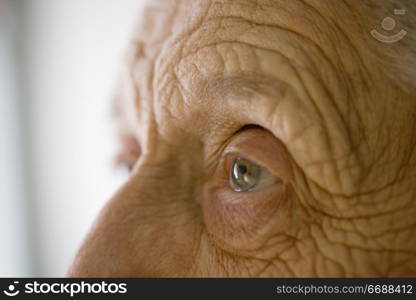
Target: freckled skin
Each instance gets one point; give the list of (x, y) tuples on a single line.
[(329, 123)]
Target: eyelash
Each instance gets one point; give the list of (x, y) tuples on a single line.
[(248, 127)]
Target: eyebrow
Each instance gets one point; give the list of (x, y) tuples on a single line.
[(246, 84)]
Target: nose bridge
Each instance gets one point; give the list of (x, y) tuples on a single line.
[(171, 165), (149, 225), (159, 185)]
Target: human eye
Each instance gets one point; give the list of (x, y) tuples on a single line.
[(254, 160), (246, 175), (251, 190)]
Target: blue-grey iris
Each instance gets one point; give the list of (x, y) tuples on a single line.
[(245, 175)]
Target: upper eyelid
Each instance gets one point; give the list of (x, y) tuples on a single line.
[(241, 148), (226, 149), (265, 149)]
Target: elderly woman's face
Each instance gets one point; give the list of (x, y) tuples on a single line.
[(266, 140)]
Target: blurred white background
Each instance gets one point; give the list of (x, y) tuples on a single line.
[(59, 61)]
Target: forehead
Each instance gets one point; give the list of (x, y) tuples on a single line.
[(183, 27), (163, 18), (193, 43), (172, 19)]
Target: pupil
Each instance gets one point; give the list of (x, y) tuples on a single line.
[(242, 169), (245, 175)]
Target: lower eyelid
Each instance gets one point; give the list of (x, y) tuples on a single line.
[(225, 187), (243, 221), (243, 210)]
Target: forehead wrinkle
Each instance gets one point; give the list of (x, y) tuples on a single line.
[(202, 17), (210, 27), (223, 87), (179, 20), (217, 27), (288, 61), (188, 36)]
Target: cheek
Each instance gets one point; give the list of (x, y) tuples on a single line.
[(248, 221)]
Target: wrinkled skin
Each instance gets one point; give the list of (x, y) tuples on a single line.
[(329, 124)]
